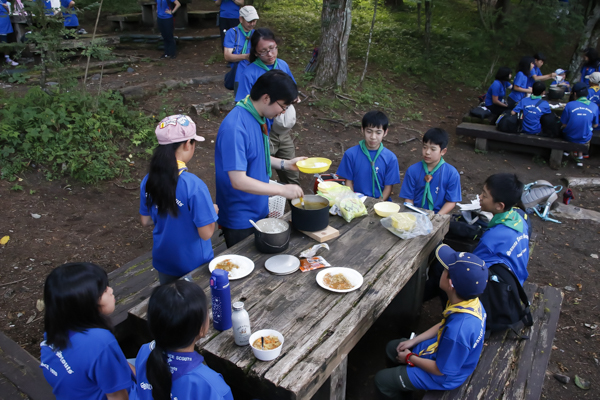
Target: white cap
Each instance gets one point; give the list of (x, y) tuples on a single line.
[(248, 13), (285, 122)]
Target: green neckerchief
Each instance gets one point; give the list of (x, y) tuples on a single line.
[(374, 180), (261, 64), (510, 218), (247, 105), (535, 97), (427, 197), (247, 36), (584, 100)]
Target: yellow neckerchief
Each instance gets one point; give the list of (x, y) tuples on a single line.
[(472, 307), (181, 167), (596, 88)]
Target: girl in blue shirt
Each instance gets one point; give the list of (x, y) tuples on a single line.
[(169, 367), (164, 19), (494, 99), (5, 29), (521, 87), (80, 357)]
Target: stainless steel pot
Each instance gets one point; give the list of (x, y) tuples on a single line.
[(275, 235)]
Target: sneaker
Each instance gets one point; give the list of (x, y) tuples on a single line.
[(586, 156), (579, 158), (82, 31), (163, 56), (580, 164), (566, 154), (11, 62)]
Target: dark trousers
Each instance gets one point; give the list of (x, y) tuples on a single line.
[(166, 28), (511, 103), (496, 111), (234, 236), (225, 24)]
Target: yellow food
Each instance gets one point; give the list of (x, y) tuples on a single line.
[(227, 265), (404, 221), (337, 282), (271, 342)]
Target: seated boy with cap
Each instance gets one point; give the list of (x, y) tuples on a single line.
[(444, 356), (561, 79)]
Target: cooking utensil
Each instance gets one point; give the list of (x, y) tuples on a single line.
[(413, 208), (314, 216), (272, 235), (262, 342), (255, 226), (302, 201)]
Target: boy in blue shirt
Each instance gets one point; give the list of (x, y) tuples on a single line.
[(432, 183), (237, 42), (369, 168), (533, 108), (444, 356), (579, 119)]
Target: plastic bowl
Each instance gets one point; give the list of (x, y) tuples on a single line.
[(314, 165), (386, 208), (266, 355)]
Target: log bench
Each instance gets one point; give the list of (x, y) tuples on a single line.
[(125, 21), (518, 142), (509, 368)]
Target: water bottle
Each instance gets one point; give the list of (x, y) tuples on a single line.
[(221, 299), (241, 324)]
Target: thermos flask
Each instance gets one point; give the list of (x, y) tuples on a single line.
[(221, 299)]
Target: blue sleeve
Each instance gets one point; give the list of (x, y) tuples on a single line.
[(521, 81), (407, 191), (201, 206), (596, 117), (392, 172), (229, 41), (244, 87), (453, 192), (518, 107), (111, 370), (545, 108), (234, 157), (497, 89), (564, 117), (143, 207), (451, 356), (345, 168)]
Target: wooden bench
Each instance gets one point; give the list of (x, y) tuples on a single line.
[(510, 368), (518, 142), (125, 21), (198, 16)]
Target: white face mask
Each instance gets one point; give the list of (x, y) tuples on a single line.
[(559, 79)]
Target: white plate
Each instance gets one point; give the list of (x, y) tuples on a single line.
[(355, 278), (283, 264), (244, 263)]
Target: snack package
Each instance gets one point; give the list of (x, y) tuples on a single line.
[(336, 194), (351, 208), (311, 263), (311, 252), (408, 225)]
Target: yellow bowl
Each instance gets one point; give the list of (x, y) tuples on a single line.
[(327, 185), (314, 165), (386, 208)]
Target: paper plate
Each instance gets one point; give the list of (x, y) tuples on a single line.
[(245, 265), (283, 264), (355, 278)]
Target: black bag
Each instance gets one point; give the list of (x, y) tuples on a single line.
[(481, 112), (505, 302), (509, 123), (550, 125), (229, 81)]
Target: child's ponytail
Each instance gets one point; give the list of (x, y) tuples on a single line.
[(162, 179), (159, 373)]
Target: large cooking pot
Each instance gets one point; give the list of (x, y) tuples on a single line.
[(313, 217), (275, 235), (556, 92)]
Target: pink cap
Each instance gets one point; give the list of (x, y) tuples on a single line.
[(175, 129)]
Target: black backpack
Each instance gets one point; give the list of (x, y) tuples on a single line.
[(550, 125), (505, 302), (509, 123)]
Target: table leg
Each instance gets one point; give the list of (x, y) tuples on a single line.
[(481, 144), (337, 388), (556, 156)]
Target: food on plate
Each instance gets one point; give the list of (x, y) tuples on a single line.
[(227, 265), (337, 281), (404, 221), (271, 342)]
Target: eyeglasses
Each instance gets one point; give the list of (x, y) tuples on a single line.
[(267, 51), (284, 108)]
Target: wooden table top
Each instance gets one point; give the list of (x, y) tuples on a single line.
[(319, 327)]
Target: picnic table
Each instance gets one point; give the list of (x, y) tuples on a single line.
[(320, 327)]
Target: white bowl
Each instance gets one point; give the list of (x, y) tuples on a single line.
[(266, 355)]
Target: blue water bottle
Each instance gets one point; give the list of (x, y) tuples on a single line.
[(221, 299)]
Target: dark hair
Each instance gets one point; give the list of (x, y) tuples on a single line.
[(375, 119), (503, 74), (539, 56), (277, 84), (260, 33), (176, 313), (583, 92), (505, 188), (436, 136), (163, 175), (525, 65), (71, 295), (592, 56), (538, 88)]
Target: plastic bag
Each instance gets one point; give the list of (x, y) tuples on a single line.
[(351, 208), (408, 225), (336, 194)]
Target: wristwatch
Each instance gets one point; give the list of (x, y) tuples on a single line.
[(282, 165)]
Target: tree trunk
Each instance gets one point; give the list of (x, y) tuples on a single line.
[(369, 45), (336, 22), (428, 6), (589, 38), (419, 16)]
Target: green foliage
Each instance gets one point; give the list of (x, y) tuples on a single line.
[(17, 78), (70, 133), (16, 188)]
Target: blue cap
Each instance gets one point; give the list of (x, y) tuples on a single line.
[(579, 86), (468, 272), (219, 279)]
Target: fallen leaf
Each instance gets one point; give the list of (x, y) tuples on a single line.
[(579, 286), (40, 305), (4, 240), (582, 383)]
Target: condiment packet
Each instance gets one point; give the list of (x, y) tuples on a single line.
[(313, 250), (312, 263)]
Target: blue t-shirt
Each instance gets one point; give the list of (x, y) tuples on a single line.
[(532, 114), (594, 95), (498, 88), (534, 72), (90, 367), (5, 25), (457, 354), (521, 81), (579, 119), (235, 39), (445, 185), (229, 9), (562, 83), (192, 380), (70, 16), (178, 247), (586, 71), (356, 167), (504, 245), (251, 74), (240, 147), (161, 8)]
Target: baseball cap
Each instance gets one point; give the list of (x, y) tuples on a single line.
[(468, 272), (175, 129), (594, 77), (248, 13), (560, 71), (579, 86)]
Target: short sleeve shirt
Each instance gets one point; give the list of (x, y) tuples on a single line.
[(445, 186), (70, 17), (579, 119), (594, 95), (522, 81), (532, 113), (162, 6), (496, 89), (251, 74), (534, 72), (235, 39), (5, 25), (229, 9)]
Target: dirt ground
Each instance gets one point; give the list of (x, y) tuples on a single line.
[(100, 223)]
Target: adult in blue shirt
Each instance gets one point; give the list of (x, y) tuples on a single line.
[(164, 19), (579, 119), (229, 14), (521, 87), (5, 29), (242, 157), (536, 73), (495, 97), (237, 45), (533, 108), (591, 63)]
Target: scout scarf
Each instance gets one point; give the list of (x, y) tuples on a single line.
[(510, 218), (535, 97), (427, 197), (262, 121), (472, 307), (261, 64), (584, 100), (247, 36), (374, 180), (181, 167), (181, 363)]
